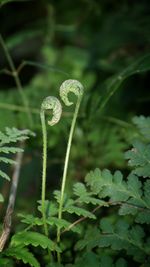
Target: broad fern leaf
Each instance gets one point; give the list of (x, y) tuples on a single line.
[(118, 237), (89, 241), (130, 195), (35, 239), (23, 254), (105, 184)]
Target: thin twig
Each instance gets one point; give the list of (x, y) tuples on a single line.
[(109, 203), (32, 110), (17, 79), (11, 202), (80, 220)]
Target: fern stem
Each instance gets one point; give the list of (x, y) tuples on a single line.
[(17, 80), (44, 170), (66, 167), (44, 132)]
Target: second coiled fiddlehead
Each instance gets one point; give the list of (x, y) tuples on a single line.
[(49, 103), (75, 87)]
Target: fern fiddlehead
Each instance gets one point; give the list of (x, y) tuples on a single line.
[(49, 103), (68, 86), (75, 87)]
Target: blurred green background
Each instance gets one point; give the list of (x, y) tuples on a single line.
[(103, 44)]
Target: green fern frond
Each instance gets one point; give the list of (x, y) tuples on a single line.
[(90, 258), (139, 209), (105, 184), (35, 239), (118, 236), (12, 135), (23, 254), (30, 219), (131, 196), (86, 197), (70, 208), (8, 150), (7, 160)]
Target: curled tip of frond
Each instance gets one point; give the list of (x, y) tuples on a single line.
[(73, 86), (52, 102)]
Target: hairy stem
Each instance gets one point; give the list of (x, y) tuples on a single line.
[(17, 80), (66, 167), (44, 170), (44, 132)]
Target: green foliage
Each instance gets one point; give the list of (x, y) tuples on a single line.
[(86, 197), (11, 135), (91, 259), (36, 239), (23, 254), (6, 262), (143, 124), (139, 157), (119, 237), (105, 218), (111, 85), (101, 189)]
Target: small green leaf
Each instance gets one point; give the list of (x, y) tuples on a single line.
[(89, 259), (4, 175), (7, 160), (35, 239), (21, 253), (8, 150), (79, 211), (6, 262), (143, 124), (30, 219), (139, 158), (85, 196)]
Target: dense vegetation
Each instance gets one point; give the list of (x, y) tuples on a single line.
[(74, 133)]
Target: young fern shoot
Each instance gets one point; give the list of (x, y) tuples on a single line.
[(49, 103), (75, 87)]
